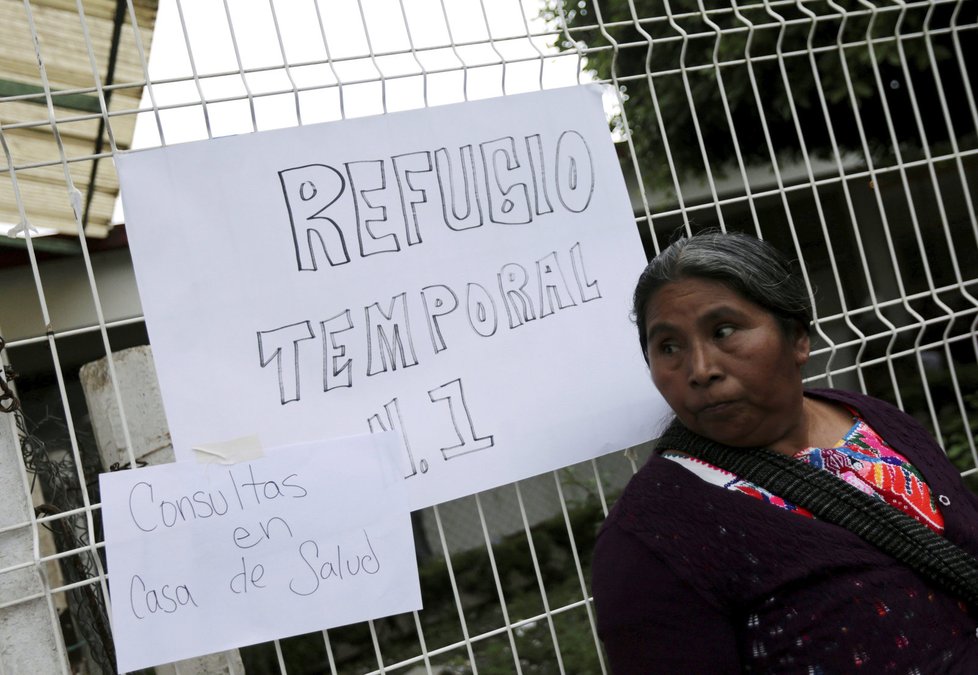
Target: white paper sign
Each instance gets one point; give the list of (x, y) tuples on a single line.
[(204, 557), (460, 274)]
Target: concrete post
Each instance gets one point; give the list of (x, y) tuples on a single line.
[(150, 438), (143, 405), (30, 635)]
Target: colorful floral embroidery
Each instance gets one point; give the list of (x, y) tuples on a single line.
[(865, 461), (764, 495)]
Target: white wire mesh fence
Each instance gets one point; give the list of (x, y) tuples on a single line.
[(845, 132)]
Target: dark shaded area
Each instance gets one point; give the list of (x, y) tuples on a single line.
[(771, 92), (352, 646)]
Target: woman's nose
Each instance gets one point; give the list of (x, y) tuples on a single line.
[(703, 366)]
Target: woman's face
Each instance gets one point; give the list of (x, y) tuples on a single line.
[(724, 364)]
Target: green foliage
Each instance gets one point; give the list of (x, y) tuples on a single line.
[(737, 75), (959, 438), (958, 448)]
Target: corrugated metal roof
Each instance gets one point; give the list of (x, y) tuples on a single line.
[(80, 138)]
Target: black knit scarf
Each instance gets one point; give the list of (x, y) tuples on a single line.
[(835, 501)]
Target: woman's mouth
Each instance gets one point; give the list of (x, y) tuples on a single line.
[(717, 408)]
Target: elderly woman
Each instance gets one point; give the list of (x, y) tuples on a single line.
[(703, 569)]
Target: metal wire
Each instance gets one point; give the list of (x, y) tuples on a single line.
[(877, 204)]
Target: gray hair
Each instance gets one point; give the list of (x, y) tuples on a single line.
[(751, 267)]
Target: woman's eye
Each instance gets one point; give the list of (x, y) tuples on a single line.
[(724, 331), (668, 348)]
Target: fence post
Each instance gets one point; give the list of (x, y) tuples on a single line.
[(30, 639), (140, 393)]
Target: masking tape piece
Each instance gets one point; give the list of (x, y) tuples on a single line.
[(233, 451)]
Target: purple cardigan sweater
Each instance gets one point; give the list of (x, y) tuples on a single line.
[(691, 578)]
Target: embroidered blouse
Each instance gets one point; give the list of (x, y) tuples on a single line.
[(861, 458)]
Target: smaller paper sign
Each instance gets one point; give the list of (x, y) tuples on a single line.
[(204, 557)]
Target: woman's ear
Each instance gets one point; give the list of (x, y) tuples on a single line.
[(802, 345)]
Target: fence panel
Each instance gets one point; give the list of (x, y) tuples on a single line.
[(843, 131)]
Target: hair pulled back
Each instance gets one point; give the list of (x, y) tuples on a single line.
[(751, 267)]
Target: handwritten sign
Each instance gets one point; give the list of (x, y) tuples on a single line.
[(460, 275), (204, 557)]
